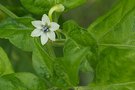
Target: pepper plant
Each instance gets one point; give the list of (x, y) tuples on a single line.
[(66, 56)]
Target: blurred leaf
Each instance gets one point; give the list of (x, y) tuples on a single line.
[(86, 73), (43, 6), (21, 81), (14, 6), (18, 32), (89, 12), (5, 65), (2, 15)]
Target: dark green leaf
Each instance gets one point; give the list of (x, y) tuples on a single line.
[(43, 6), (18, 32), (86, 73)]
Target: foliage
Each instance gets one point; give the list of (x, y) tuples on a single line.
[(104, 52)]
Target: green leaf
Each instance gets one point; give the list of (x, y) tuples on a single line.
[(116, 28), (43, 6), (113, 57), (116, 65), (73, 57), (49, 67), (14, 6), (64, 71), (18, 32), (42, 62), (116, 86), (77, 33), (86, 73), (114, 62), (21, 81), (5, 65)]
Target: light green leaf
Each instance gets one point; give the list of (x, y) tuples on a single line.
[(115, 35), (114, 62), (42, 62), (18, 32), (64, 71), (43, 6), (49, 67), (5, 65), (113, 52), (78, 34), (21, 81), (116, 86), (115, 65), (116, 28), (73, 57)]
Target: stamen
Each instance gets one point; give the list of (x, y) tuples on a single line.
[(45, 29)]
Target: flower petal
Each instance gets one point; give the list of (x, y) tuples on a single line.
[(37, 24), (51, 35), (45, 20), (44, 39), (54, 26), (36, 33)]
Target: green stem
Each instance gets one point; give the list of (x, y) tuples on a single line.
[(59, 42), (8, 12), (50, 13), (58, 35)]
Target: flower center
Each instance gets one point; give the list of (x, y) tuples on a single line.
[(45, 29)]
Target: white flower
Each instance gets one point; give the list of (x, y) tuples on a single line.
[(45, 29)]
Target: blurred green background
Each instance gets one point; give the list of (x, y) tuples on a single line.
[(83, 15)]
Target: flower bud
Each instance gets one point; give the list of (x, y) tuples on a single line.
[(59, 8), (56, 8)]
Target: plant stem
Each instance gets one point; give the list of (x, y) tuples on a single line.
[(50, 13), (8, 12), (59, 42)]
